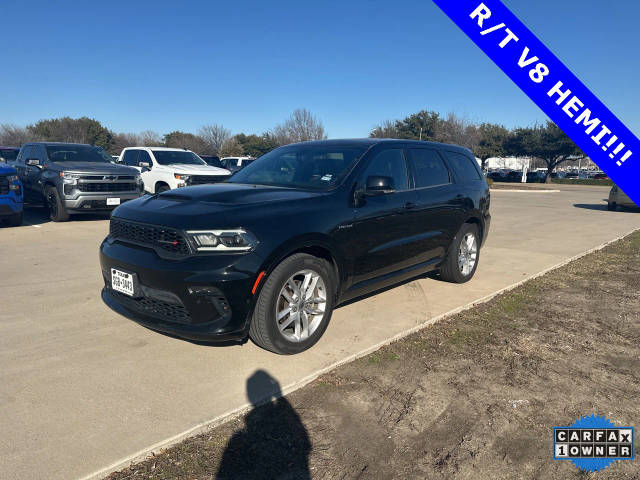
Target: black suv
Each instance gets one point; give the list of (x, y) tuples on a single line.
[(270, 253), (74, 178)]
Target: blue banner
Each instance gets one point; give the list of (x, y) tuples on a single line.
[(552, 86)]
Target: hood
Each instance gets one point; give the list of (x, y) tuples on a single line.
[(222, 205), (195, 169), (95, 168), (7, 170)]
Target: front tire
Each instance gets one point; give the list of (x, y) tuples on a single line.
[(57, 211), (295, 305), (462, 261)]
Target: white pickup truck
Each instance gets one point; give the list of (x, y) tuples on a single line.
[(167, 168)]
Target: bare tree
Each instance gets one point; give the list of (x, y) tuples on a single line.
[(14, 136), (215, 136), (124, 140), (301, 126), (149, 138), (457, 130)]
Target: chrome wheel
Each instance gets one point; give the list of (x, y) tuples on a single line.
[(301, 305), (468, 254)]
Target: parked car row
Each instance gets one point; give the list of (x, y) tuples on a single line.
[(71, 178)]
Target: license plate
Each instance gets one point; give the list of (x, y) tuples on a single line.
[(122, 282), (113, 201)]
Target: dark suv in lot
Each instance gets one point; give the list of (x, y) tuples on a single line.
[(74, 178), (270, 253)]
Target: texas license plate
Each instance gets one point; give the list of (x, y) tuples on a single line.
[(122, 282), (113, 201)]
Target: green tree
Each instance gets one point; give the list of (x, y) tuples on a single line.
[(178, 139), (491, 143), (76, 130), (256, 145), (547, 142)]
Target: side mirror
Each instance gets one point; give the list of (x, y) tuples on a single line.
[(145, 165), (33, 162), (379, 185)]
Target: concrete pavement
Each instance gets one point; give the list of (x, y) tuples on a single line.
[(83, 388)]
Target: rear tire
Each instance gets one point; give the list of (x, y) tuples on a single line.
[(612, 206), (462, 261), (57, 211), (305, 316), (15, 220)]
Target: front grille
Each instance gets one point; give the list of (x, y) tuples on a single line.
[(4, 185), (106, 187), (204, 179), (153, 236), (107, 177), (169, 312)]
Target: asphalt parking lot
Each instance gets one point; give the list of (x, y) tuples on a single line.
[(84, 389)]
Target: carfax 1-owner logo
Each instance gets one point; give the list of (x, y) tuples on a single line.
[(593, 443)]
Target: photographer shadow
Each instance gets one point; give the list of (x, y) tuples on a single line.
[(273, 444)]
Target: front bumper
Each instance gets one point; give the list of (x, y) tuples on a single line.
[(92, 201), (202, 297), (10, 205)]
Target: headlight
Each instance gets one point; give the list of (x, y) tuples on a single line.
[(238, 240), (71, 178), (180, 176), (13, 182), (138, 178)]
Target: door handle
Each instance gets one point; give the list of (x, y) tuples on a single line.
[(410, 205)]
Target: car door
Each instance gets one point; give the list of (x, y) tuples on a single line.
[(147, 174), (21, 167), (437, 206), (383, 232), (34, 173)]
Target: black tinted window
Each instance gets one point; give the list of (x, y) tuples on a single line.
[(9, 155), (428, 168), (130, 158), (77, 153), (144, 157), (314, 166), (389, 163), (24, 156), (463, 167), (179, 157)]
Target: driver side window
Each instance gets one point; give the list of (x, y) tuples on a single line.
[(144, 158), (130, 158), (389, 163)]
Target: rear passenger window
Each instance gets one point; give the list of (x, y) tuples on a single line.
[(463, 167), (130, 158), (389, 163), (429, 169)]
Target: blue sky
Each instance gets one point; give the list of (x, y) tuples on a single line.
[(166, 66)]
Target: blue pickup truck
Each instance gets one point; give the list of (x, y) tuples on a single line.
[(11, 196)]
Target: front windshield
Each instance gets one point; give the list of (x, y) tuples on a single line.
[(77, 153), (213, 161), (169, 157), (317, 167)]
